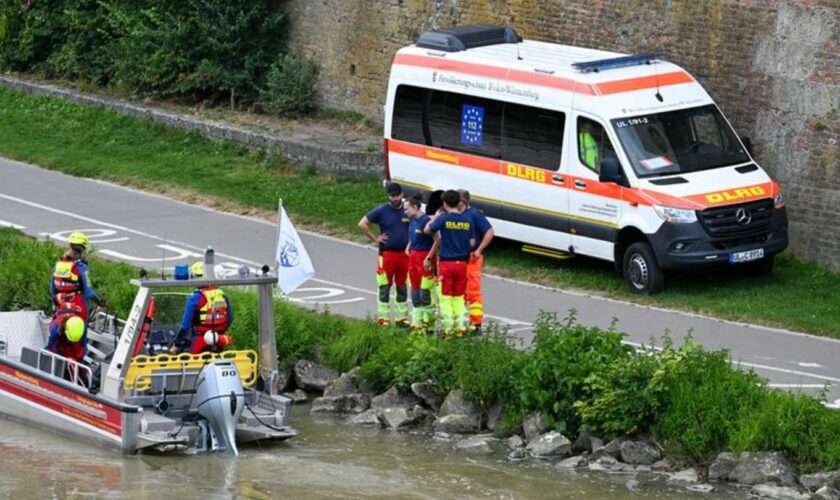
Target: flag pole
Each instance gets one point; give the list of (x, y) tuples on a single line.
[(277, 239)]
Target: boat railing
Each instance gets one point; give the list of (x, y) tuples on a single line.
[(72, 367), (107, 323)]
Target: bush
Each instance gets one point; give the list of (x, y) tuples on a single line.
[(484, 367), (704, 400), (565, 355), (798, 425), (290, 86), (428, 360)]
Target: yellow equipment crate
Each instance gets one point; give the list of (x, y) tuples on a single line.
[(142, 367)]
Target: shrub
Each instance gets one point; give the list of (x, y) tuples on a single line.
[(290, 86), (565, 355), (428, 360), (798, 425), (379, 371), (484, 367)]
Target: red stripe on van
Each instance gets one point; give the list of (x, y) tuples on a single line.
[(496, 72), (644, 82)]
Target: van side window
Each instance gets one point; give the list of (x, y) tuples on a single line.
[(532, 136), (465, 123), (407, 121), (593, 144)]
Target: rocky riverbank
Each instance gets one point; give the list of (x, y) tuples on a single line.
[(455, 419)]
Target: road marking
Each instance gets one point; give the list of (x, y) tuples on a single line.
[(12, 225), (810, 365), (798, 386), (512, 321), (180, 254), (95, 235)]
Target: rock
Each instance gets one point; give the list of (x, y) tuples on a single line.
[(343, 385), (478, 445), (515, 442), (456, 424), (633, 485), (494, 415), (701, 488), (350, 403), (777, 492), (368, 418), (723, 466), (571, 463), (608, 463), (297, 396), (613, 449), (394, 398), (399, 417), (816, 481), (826, 493), (549, 445), (686, 476), (517, 455), (639, 453), (457, 404), (763, 467), (425, 391), (587, 442), (664, 465), (534, 425), (313, 377)]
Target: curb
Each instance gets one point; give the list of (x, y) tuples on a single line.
[(325, 160)]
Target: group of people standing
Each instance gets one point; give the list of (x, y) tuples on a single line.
[(437, 255)]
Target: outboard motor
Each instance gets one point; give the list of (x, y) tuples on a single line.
[(221, 399)]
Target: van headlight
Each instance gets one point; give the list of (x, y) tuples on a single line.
[(675, 215), (779, 201)]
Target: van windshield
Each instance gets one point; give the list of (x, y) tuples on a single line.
[(676, 142)]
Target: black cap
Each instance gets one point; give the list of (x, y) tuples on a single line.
[(393, 189)]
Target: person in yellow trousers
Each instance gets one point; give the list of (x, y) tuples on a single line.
[(454, 236), (421, 280), (484, 233)]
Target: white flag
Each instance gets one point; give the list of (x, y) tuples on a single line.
[(293, 264)]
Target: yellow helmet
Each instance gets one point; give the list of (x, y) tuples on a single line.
[(197, 269), (74, 328), (79, 238)]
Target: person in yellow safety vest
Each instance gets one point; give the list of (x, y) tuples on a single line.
[(588, 146), (207, 317), (70, 277)]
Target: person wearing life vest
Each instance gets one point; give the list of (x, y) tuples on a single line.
[(454, 235), (71, 279), (392, 266), (484, 233), (587, 145), (68, 333), (207, 317), (420, 279)]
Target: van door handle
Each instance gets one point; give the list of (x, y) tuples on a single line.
[(580, 184)]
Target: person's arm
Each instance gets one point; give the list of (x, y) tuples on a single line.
[(186, 323), (485, 241), (427, 262), (230, 312), (364, 224), (53, 337), (87, 289)]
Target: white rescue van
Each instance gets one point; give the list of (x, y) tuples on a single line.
[(580, 151)]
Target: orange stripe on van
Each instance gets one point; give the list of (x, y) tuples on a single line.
[(496, 72), (643, 82)]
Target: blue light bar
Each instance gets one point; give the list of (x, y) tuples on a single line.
[(616, 62)]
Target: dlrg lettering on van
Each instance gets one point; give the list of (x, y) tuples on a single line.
[(579, 151)]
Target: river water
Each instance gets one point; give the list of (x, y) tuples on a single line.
[(328, 460)]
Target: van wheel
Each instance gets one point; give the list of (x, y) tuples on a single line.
[(641, 271), (761, 267)]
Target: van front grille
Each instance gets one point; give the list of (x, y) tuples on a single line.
[(737, 221)]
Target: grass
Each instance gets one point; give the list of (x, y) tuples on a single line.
[(97, 143), (691, 400)]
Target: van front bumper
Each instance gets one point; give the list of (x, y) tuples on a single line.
[(685, 246)]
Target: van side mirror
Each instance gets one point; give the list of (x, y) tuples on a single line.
[(747, 142), (611, 171)]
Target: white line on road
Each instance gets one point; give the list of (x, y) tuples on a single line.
[(12, 225), (797, 386)]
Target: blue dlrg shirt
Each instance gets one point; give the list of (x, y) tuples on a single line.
[(419, 239), (393, 222), (456, 230)]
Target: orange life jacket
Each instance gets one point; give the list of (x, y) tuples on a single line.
[(66, 276), (212, 311)]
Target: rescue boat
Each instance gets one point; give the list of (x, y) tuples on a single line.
[(128, 397)]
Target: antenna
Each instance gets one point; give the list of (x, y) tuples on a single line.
[(518, 56), (656, 76)]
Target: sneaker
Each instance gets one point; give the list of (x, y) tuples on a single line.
[(383, 322), (475, 330), (402, 323)]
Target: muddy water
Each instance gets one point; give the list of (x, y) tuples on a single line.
[(326, 461)]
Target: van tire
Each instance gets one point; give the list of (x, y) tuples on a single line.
[(761, 267), (641, 270)]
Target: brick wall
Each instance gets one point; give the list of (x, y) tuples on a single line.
[(773, 66)]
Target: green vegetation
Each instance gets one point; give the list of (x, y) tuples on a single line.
[(212, 51), (96, 143), (691, 400)]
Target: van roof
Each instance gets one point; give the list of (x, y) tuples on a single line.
[(500, 47)]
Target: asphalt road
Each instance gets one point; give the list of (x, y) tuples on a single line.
[(152, 231)]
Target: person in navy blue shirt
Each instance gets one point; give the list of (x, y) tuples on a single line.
[(392, 267), (484, 233), (420, 279), (454, 237)]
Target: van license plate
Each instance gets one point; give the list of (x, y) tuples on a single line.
[(747, 256)]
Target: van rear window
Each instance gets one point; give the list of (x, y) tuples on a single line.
[(485, 127)]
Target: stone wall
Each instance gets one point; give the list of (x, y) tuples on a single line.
[(773, 66)]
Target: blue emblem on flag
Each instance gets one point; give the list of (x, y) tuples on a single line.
[(472, 125)]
